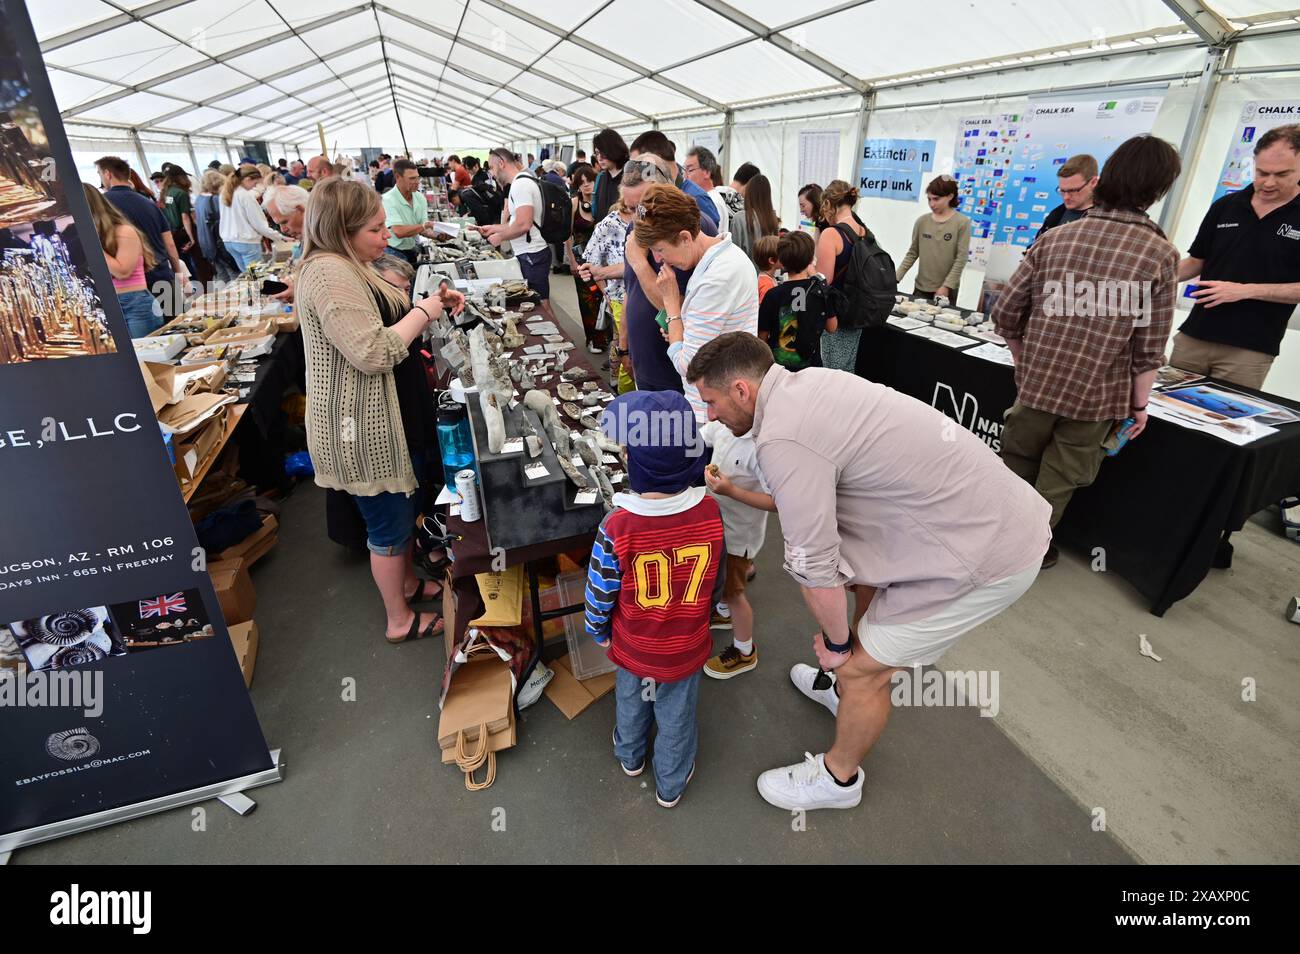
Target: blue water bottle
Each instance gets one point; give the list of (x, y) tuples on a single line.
[(455, 441)]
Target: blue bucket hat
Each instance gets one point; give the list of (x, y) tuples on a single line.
[(664, 451)]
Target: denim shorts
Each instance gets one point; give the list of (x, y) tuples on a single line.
[(536, 267), (390, 521)]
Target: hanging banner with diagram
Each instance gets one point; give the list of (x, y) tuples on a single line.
[(118, 681), (894, 168), (1257, 118), (981, 160), (1006, 165)]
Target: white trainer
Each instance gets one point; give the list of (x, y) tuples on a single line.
[(804, 678), (807, 786)]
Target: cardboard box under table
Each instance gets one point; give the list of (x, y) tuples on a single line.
[(244, 637), (234, 588)]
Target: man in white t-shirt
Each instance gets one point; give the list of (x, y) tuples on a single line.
[(522, 223)]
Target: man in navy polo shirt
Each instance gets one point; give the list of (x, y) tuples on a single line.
[(115, 175), (1247, 254), (654, 143)]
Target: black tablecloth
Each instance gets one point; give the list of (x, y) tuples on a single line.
[(262, 436), (1159, 511)]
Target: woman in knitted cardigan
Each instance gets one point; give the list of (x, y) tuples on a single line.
[(357, 328)]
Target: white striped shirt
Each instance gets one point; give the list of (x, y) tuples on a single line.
[(721, 296)]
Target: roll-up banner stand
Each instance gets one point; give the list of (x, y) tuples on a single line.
[(120, 693)]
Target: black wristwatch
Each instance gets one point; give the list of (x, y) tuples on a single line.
[(841, 648)]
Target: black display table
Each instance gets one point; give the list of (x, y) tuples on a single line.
[(1160, 511)]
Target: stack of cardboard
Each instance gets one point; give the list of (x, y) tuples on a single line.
[(191, 408), (242, 332), (255, 546)]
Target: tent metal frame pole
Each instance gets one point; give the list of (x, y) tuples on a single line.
[(1202, 20), (189, 144), (864, 123), (145, 171), (728, 123), (1194, 134)]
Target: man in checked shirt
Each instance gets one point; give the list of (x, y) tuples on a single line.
[(1086, 316)]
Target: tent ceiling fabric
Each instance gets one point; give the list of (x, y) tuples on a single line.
[(495, 69)]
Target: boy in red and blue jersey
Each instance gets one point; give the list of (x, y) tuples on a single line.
[(656, 570)]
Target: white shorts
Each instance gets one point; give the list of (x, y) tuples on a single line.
[(923, 641)]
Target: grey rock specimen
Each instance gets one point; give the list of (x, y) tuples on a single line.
[(589, 453), (495, 422), (601, 477), (576, 477)]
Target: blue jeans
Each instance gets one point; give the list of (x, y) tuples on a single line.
[(390, 521), (671, 707), (244, 253), (138, 310)]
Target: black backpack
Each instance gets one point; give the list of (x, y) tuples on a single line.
[(870, 282), (482, 203), (557, 210)]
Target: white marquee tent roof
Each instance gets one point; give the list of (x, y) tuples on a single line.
[(485, 71)]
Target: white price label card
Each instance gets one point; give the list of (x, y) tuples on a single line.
[(454, 510), (513, 446), (533, 471), (513, 403), (608, 459), (615, 478), (583, 497), (576, 461)]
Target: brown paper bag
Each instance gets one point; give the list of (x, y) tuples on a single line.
[(480, 695)]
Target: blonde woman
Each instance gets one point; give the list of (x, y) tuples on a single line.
[(358, 331), (207, 218), (243, 223), (269, 177), (128, 256)]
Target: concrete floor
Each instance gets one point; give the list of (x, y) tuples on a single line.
[(1183, 768)]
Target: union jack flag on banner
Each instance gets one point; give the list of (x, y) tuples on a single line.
[(162, 605)]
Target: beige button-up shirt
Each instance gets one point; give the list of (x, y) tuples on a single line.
[(874, 487)]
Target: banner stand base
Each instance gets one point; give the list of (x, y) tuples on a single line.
[(74, 826)]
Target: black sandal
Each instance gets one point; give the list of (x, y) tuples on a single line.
[(414, 633), (419, 597), (432, 568)]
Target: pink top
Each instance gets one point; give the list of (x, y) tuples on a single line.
[(134, 281), (873, 486)]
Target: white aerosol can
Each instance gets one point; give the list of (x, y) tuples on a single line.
[(468, 491)]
